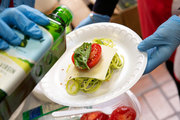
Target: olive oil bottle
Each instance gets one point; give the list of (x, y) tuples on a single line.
[(26, 64), (59, 19)]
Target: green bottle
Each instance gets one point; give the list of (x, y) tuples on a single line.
[(60, 18)]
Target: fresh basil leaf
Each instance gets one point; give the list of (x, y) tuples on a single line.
[(81, 55)]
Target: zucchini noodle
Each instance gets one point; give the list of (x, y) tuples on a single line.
[(116, 62), (90, 85), (109, 73), (104, 41), (72, 87)]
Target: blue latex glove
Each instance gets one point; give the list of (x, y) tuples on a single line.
[(5, 3), (93, 18), (162, 43), (23, 18)]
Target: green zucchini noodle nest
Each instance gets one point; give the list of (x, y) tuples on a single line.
[(90, 85)]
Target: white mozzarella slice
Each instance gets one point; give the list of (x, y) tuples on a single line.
[(99, 71)]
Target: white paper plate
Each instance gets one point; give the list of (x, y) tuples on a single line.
[(126, 44)]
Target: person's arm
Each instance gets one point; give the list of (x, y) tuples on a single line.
[(23, 18), (105, 7), (102, 11), (162, 43)]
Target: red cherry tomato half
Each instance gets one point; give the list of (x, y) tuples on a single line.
[(95, 116), (72, 58), (123, 113), (94, 56)]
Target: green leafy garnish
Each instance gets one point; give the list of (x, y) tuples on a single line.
[(81, 55)]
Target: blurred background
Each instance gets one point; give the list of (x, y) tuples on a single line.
[(155, 91)]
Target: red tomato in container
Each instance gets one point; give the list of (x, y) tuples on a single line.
[(123, 113), (94, 56), (95, 116), (120, 113)]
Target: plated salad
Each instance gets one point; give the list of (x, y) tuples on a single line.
[(92, 64)]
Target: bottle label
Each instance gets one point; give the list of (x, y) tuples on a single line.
[(16, 62)]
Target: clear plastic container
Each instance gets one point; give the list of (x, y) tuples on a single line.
[(126, 99)]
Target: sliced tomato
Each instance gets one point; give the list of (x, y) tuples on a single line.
[(95, 116), (72, 58), (123, 113), (94, 56)]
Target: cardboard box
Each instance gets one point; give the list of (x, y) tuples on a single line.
[(128, 17)]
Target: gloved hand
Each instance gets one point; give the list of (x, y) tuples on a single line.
[(23, 18), (160, 45), (93, 18)]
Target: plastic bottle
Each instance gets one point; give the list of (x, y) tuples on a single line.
[(33, 58)]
